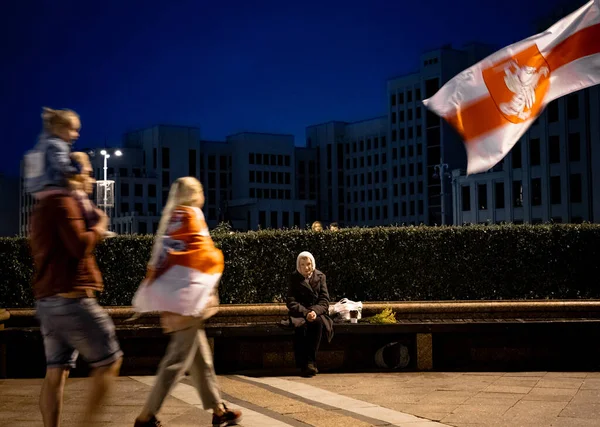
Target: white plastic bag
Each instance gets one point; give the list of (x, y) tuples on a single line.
[(343, 308)]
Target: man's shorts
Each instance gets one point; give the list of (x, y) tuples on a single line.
[(73, 326)]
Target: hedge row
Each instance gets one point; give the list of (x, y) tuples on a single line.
[(367, 264)]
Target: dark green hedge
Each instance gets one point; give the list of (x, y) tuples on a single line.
[(368, 264)]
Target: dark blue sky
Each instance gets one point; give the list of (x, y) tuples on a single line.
[(270, 66)]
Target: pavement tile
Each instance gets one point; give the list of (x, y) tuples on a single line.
[(574, 422), (560, 382), (582, 410), (490, 398), (532, 411), (550, 394), (535, 374), (567, 375), (591, 384), (517, 381), (508, 389), (586, 396), (432, 412)]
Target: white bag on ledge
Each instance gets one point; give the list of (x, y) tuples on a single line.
[(343, 308)]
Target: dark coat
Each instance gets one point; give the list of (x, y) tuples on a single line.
[(306, 295)]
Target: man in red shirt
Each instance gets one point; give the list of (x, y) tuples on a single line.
[(65, 283)]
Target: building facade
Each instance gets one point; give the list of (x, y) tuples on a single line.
[(400, 168), (550, 175)]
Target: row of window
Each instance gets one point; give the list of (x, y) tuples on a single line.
[(269, 159), (267, 177), (536, 193), (269, 193), (378, 213), (554, 150), (370, 144), (274, 217), (400, 116), (398, 99), (410, 133)]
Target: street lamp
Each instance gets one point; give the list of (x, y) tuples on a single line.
[(441, 172), (105, 182)]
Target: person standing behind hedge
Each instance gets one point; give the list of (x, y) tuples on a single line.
[(65, 282), (183, 275), (308, 305)]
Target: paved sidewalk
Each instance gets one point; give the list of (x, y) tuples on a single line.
[(528, 399)]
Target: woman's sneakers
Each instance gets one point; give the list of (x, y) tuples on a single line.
[(152, 422), (310, 370), (230, 417)]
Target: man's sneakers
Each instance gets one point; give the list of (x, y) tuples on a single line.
[(152, 422), (230, 417)]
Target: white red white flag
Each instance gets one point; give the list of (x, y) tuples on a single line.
[(493, 103)]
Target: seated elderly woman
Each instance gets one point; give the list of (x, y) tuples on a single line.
[(308, 305)]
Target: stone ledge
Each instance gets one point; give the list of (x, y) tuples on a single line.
[(406, 312)]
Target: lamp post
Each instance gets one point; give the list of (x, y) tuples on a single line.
[(441, 172), (106, 156)]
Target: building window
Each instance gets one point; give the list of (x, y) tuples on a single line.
[(166, 158), (482, 196), (574, 147), (393, 100), (553, 112), (573, 106), (212, 162), (124, 189), (192, 162), (152, 208), (151, 190), (124, 208), (251, 176), (575, 188), (517, 194), (536, 191), (142, 228), (466, 197), (554, 148), (138, 208), (431, 87), (123, 172), (262, 219), (251, 158), (499, 196), (154, 158), (517, 158), (534, 152), (274, 219), (139, 190), (555, 190)]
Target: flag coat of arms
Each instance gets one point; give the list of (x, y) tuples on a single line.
[(494, 102)]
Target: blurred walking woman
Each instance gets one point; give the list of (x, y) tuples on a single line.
[(183, 275), (308, 305)]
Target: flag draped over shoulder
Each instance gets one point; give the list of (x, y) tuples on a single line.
[(188, 270), (494, 102)]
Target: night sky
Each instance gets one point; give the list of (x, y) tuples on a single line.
[(231, 66)]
